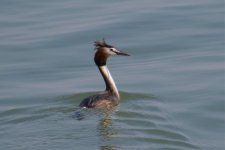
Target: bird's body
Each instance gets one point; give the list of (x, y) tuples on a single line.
[(110, 97)]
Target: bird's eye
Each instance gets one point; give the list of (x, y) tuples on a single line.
[(111, 49)]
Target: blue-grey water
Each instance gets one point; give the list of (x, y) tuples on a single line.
[(172, 86)]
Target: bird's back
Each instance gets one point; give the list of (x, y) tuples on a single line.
[(100, 100)]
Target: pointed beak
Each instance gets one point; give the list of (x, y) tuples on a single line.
[(122, 53)]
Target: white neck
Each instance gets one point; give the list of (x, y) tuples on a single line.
[(109, 82)]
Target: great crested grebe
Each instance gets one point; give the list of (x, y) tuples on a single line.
[(110, 97)]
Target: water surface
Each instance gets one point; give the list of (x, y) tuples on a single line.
[(172, 85)]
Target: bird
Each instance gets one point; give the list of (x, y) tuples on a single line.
[(110, 97)]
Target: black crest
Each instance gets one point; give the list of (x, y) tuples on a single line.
[(99, 44)]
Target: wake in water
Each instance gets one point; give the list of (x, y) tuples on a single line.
[(82, 113), (79, 114)]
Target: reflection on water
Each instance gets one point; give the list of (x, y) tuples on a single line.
[(106, 130)]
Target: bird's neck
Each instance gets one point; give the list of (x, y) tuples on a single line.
[(109, 82)]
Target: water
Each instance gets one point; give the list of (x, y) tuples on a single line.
[(172, 85)]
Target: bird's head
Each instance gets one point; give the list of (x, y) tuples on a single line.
[(104, 50)]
